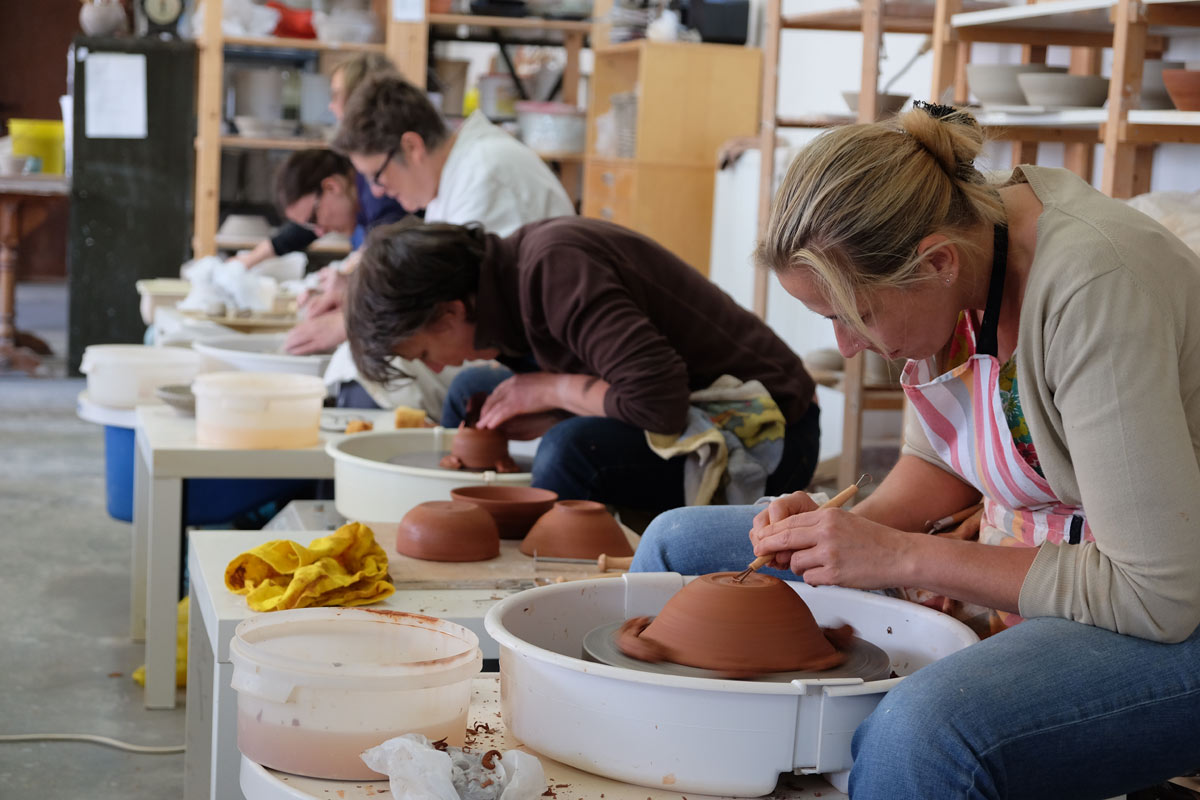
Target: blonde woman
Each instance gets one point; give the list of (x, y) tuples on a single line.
[(1054, 373)]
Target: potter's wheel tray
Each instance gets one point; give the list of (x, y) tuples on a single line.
[(863, 660), (430, 460)]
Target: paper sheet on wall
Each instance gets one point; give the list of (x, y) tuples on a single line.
[(115, 104), (408, 10)]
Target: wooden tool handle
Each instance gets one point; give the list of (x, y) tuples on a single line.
[(606, 562), (839, 500)]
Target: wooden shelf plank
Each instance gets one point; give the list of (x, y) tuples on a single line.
[(1071, 21), (258, 143), (512, 23), (815, 121), (283, 43), (898, 17)]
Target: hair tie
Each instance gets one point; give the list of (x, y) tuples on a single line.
[(935, 110)]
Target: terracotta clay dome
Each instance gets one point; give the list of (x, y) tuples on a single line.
[(448, 530), (514, 508), (739, 629), (576, 529), (479, 449)]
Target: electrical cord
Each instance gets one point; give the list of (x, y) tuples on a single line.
[(88, 737)]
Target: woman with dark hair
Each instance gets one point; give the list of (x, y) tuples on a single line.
[(608, 333)]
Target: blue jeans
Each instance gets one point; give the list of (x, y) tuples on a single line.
[(1048, 709), (597, 458)]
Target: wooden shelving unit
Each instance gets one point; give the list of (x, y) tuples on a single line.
[(1134, 29), (405, 43)]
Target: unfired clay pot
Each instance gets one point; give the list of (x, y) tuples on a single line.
[(448, 530), (1183, 85), (514, 508), (576, 529), (478, 449), (739, 629)]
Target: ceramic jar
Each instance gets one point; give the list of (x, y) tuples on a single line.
[(740, 629), (514, 508), (576, 529), (103, 18), (448, 530)]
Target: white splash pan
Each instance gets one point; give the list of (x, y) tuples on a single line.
[(684, 734), (259, 352), (367, 488)]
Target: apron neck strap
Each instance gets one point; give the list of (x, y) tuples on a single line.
[(985, 342)]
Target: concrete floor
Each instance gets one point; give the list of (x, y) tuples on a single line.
[(66, 657)]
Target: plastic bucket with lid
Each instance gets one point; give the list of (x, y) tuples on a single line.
[(317, 686), (42, 138), (123, 375), (257, 410)]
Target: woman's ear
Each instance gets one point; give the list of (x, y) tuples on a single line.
[(939, 257), (448, 313), (334, 184)]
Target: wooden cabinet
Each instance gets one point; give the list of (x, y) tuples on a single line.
[(690, 99)]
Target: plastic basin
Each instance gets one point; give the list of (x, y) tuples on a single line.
[(257, 410), (317, 686)]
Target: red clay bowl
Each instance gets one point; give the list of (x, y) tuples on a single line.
[(514, 508), (479, 449), (448, 530), (757, 626), (576, 529), (1183, 87)]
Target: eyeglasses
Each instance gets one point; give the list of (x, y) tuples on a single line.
[(311, 222), (379, 172)]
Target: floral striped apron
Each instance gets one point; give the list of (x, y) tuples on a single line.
[(963, 417)]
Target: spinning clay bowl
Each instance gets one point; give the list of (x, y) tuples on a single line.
[(448, 530), (479, 449), (576, 529), (741, 629), (514, 508)]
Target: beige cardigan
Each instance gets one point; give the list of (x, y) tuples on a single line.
[(1108, 368)]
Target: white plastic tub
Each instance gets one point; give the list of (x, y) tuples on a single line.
[(123, 375), (257, 410), (159, 293), (258, 352), (719, 737), (317, 686), (369, 488), (552, 127)]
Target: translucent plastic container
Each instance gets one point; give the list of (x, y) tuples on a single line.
[(123, 375), (41, 138), (257, 410), (317, 686), (552, 127)]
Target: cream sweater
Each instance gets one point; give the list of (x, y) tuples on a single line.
[(1108, 369)]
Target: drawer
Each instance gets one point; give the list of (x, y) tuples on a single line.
[(609, 192)]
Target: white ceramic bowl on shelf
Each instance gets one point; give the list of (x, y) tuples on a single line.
[(996, 84), (1063, 91), (888, 103), (260, 128)]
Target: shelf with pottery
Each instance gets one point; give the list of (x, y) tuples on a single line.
[(896, 17), (1088, 23), (286, 43), (262, 143)]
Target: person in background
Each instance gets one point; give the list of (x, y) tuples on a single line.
[(298, 235), (1052, 340), (392, 133), (619, 331)]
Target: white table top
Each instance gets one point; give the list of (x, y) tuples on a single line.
[(566, 783), (35, 184), (173, 452), (486, 582)]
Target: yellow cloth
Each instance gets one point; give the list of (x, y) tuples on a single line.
[(346, 568), (181, 634)]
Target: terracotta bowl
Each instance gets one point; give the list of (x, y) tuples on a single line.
[(448, 530), (757, 626), (514, 508), (576, 529), (479, 449), (1183, 85)]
